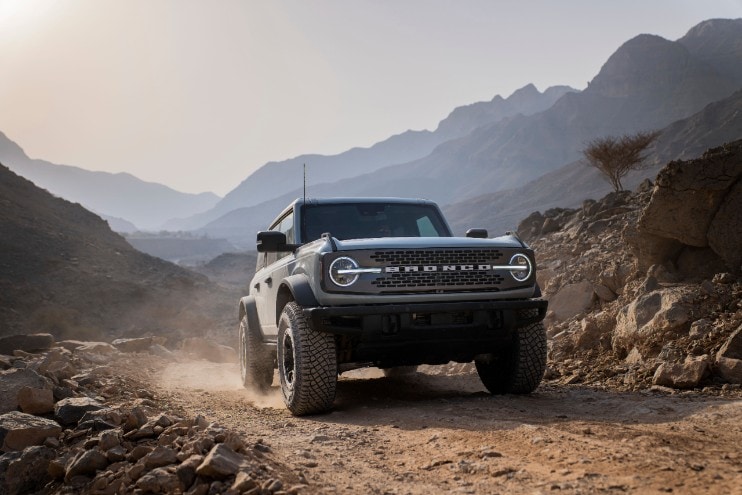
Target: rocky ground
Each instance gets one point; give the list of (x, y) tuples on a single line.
[(134, 418)]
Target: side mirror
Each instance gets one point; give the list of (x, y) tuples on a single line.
[(271, 241), (477, 233)]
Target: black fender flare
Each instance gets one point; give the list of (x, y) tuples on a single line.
[(301, 290), (249, 308)]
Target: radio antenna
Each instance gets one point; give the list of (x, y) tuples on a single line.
[(305, 183)]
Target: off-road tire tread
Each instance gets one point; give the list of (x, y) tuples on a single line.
[(315, 366), (521, 367), (259, 370)]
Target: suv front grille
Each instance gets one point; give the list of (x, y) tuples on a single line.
[(446, 280), (437, 256), (438, 270)]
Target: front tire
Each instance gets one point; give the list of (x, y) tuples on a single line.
[(519, 368), (256, 364), (307, 364)]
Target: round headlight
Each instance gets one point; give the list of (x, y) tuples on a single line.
[(524, 267), (338, 271)]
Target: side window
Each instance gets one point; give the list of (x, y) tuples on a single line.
[(285, 225)]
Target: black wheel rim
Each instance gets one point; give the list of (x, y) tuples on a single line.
[(288, 360)]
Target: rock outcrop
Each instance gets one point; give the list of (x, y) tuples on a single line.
[(647, 284), (695, 203)]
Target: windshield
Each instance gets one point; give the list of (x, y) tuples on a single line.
[(370, 220)]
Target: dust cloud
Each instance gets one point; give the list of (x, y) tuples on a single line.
[(206, 376)]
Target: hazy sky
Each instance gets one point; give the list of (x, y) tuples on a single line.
[(197, 94)]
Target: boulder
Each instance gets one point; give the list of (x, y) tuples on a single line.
[(595, 332), (141, 344), (109, 439), (732, 347), (687, 195), (571, 300), (36, 342), (60, 370), (36, 400), (725, 231), (729, 369), (530, 227), (243, 482), (615, 277), (20, 430), (729, 358), (650, 249), (11, 383), (186, 471), (687, 374), (208, 350), (27, 473), (53, 355), (221, 462), (651, 317), (71, 410), (86, 463), (604, 293), (159, 457), (160, 480)]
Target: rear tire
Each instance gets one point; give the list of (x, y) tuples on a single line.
[(256, 363), (307, 364), (519, 368)]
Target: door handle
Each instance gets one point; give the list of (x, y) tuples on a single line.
[(257, 286), (269, 280)]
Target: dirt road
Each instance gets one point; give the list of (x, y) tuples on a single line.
[(431, 434)]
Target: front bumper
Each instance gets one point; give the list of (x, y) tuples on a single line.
[(425, 332)]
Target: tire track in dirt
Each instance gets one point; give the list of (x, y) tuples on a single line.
[(444, 434)]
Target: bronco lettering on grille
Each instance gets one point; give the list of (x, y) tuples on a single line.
[(437, 268)]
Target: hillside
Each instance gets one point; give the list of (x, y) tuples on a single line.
[(646, 286), (279, 178), (145, 204), (648, 83), (63, 271), (568, 186)]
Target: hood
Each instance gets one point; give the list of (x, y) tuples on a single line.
[(427, 242)]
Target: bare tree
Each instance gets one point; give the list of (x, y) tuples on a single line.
[(617, 156)]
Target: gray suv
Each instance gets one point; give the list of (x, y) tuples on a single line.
[(346, 283)]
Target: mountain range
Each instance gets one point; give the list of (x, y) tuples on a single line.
[(278, 178), (648, 83), (128, 202), (566, 187), (491, 161)]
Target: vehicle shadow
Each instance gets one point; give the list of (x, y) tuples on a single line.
[(422, 401)]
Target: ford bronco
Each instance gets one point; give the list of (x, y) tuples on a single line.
[(346, 283)]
